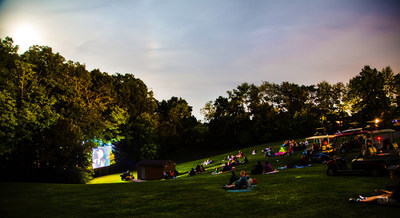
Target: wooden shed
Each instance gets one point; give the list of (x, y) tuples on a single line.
[(153, 169)]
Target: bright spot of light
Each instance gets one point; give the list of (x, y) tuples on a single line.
[(25, 36)]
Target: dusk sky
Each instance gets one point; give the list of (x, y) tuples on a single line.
[(200, 49)]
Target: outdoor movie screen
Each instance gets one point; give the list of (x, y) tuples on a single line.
[(101, 156)]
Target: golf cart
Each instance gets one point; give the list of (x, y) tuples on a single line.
[(349, 141), (323, 142), (384, 139), (338, 165), (324, 149), (368, 158)]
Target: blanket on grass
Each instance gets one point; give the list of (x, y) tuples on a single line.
[(282, 168), (271, 172), (249, 189), (219, 172)]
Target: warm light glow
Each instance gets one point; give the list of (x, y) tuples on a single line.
[(377, 120), (25, 36)]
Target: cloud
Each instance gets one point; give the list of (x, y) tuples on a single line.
[(198, 50)]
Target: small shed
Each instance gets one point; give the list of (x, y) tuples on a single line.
[(153, 169)]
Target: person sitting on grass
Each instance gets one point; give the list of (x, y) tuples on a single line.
[(282, 151), (390, 198), (232, 162), (191, 172), (245, 161), (249, 180), (226, 168), (270, 153), (172, 174), (240, 184), (254, 152), (258, 169), (233, 178), (266, 150), (290, 150), (198, 168), (267, 167), (314, 148), (303, 161), (166, 175)]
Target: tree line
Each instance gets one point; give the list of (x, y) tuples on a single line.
[(253, 114), (54, 111)]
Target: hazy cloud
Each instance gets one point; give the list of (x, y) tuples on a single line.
[(198, 50)]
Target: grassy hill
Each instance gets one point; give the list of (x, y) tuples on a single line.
[(305, 192)]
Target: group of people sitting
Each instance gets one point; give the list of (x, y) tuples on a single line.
[(171, 174), (259, 169), (288, 148), (127, 176), (223, 169), (243, 182), (303, 162), (298, 146), (199, 169), (269, 151), (234, 160)]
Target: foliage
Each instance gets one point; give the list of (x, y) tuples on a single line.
[(255, 114), (51, 110), (177, 125), (374, 95)]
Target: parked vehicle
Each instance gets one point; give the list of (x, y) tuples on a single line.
[(349, 142), (338, 165), (323, 142), (384, 141), (366, 146)]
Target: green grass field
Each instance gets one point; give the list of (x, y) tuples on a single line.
[(305, 192)]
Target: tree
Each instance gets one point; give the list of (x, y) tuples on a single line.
[(176, 124), (138, 133), (329, 100), (51, 112), (370, 92)]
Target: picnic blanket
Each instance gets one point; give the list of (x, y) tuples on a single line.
[(220, 172), (272, 172), (249, 189), (295, 166)]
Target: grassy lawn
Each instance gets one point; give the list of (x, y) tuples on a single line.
[(305, 192)]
